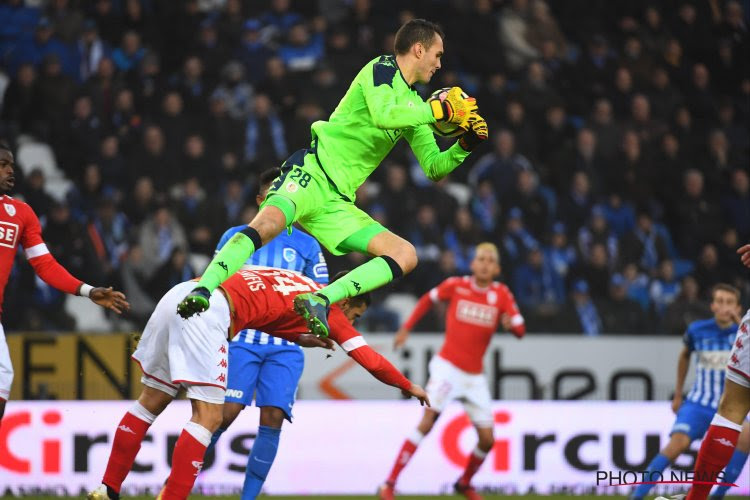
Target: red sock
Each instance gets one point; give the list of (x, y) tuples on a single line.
[(475, 461), (127, 442), (404, 455), (715, 453), (187, 461)]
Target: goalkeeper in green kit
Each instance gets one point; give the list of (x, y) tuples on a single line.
[(316, 185)]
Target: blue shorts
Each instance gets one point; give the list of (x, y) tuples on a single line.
[(269, 371), (692, 419)]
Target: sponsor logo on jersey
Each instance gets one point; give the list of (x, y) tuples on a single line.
[(290, 254), (476, 314), (492, 297), (10, 209), (713, 360), (292, 187), (8, 233)]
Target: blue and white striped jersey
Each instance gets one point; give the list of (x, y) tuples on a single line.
[(712, 346), (297, 252)]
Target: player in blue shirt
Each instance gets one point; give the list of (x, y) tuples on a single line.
[(261, 364), (711, 340)]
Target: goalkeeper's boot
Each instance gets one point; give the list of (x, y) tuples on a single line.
[(103, 492), (386, 491), (467, 491), (196, 301), (314, 308)]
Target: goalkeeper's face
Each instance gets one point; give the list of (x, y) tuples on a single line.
[(429, 62)]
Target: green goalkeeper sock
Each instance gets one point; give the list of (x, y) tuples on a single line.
[(228, 261), (365, 278)]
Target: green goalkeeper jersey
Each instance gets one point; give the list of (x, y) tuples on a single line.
[(377, 110)]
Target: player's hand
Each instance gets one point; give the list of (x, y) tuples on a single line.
[(505, 320), (109, 299), (456, 108), (476, 134), (418, 393), (744, 252), (196, 301), (400, 339), (676, 402), (310, 340)]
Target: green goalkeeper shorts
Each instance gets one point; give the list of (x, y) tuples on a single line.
[(318, 207)]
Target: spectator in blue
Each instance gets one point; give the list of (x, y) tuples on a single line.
[(43, 43), (560, 254), (236, 93), (637, 283), (280, 19), (461, 238), (582, 316), (501, 166), (89, 50), (129, 54), (517, 240), (575, 206), (253, 52), (533, 203), (643, 244), (619, 213), (19, 22), (664, 288), (265, 136), (109, 233), (597, 231), (536, 285), (303, 50), (484, 207)]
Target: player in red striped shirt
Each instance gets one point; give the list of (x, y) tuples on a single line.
[(477, 305), (19, 225), (191, 353)]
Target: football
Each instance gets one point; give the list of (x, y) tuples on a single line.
[(445, 129)]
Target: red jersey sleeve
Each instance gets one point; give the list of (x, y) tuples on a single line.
[(442, 292), (41, 260), (509, 307), (355, 345)]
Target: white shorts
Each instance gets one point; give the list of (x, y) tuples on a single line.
[(447, 382), (191, 353), (738, 368), (6, 368)]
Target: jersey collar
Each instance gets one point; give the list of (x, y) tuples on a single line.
[(476, 287)]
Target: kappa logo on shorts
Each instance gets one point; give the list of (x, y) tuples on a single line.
[(221, 378), (223, 349), (222, 363), (292, 187)]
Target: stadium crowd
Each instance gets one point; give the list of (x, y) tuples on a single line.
[(617, 181)]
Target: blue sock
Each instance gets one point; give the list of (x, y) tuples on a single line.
[(215, 437), (658, 464), (260, 460), (731, 472)]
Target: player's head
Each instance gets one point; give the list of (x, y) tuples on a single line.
[(725, 304), (264, 183), (421, 42), (486, 263), (7, 169), (353, 307)]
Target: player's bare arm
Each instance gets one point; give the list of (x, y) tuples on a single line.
[(419, 393)]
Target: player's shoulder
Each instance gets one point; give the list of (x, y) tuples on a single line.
[(702, 326), (384, 69), (13, 207)]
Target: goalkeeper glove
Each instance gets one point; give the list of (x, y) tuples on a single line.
[(456, 108), (477, 133)]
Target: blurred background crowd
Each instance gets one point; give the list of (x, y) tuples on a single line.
[(616, 180)]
